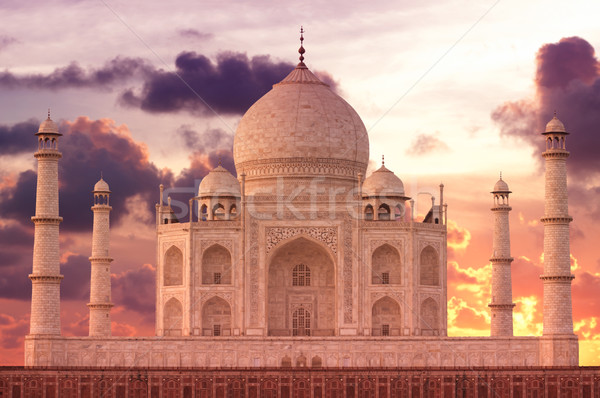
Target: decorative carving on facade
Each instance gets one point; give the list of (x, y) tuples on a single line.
[(300, 166), (253, 272), (227, 296), (425, 296), (398, 297), (397, 244), (226, 243), (435, 244), (347, 270), (180, 244), (327, 235)]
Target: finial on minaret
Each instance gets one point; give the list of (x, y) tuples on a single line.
[(500, 175), (49, 113), (383, 160), (301, 50)]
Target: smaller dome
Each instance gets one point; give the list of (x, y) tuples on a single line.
[(101, 186), (219, 182), (383, 182), (501, 186), (555, 126), (48, 127)]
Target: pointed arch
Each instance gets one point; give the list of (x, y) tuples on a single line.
[(216, 317), (429, 272), (289, 287), (430, 317), (173, 269), (386, 266), (218, 212), (369, 212), (173, 317), (399, 212), (316, 362), (216, 266), (386, 317), (383, 212), (203, 212)]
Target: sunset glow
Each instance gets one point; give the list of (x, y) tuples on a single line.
[(446, 96)]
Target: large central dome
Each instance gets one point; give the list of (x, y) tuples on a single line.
[(301, 128)]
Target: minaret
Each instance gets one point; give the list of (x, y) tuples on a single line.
[(501, 305), (46, 277), (557, 277), (100, 297)]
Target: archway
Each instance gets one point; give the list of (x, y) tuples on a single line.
[(429, 267), (386, 266), (216, 266), (216, 317), (173, 318), (430, 323), (301, 274), (173, 269), (385, 317)]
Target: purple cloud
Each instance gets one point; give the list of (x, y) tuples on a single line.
[(424, 144), (194, 34), (568, 81), (198, 85), (6, 41), (113, 72), (134, 289)]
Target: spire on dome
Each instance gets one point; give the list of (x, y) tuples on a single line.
[(49, 113), (301, 50)]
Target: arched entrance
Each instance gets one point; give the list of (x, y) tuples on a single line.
[(301, 290)]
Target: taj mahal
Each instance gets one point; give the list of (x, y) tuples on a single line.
[(302, 260)]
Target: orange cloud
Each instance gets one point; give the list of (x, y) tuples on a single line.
[(458, 237)]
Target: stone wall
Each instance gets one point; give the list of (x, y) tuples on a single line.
[(172, 352), (308, 381)]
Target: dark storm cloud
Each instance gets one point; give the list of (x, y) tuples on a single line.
[(18, 202), (73, 75), (90, 147), (76, 282), (568, 81), (134, 289), (198, 85), (570, 59), (15, 283), (209, 139), (18, 138)]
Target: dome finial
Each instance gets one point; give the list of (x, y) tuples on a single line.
[(301, 50), (48, 113), (383, 160), (500, 175)]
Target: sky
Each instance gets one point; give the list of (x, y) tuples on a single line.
[(151, 92)]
